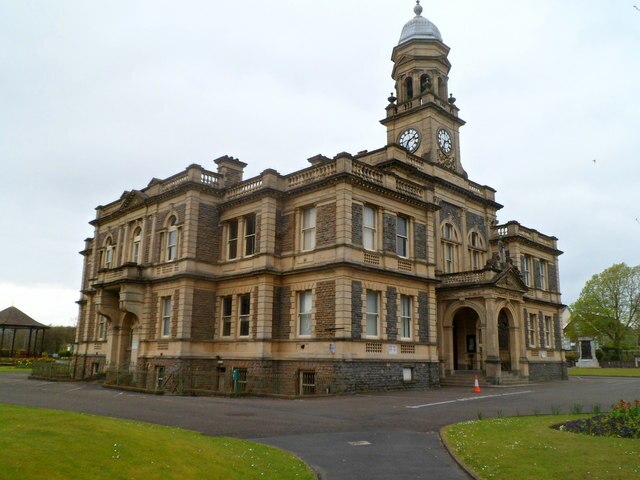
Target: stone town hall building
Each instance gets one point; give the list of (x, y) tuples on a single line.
[(381, 270)]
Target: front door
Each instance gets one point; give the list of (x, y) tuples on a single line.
[(503, 342)]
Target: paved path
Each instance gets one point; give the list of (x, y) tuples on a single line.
[(378, 436)]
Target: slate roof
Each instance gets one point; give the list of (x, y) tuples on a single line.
[(12, 317)]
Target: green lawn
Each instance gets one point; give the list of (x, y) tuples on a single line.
[(519, 448), (604, 372), (13, 369), (51, 444)]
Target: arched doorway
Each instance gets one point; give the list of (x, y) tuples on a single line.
[(466, 340), (504, 342)]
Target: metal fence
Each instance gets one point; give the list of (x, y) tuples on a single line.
[(617, 364), (53, 370)]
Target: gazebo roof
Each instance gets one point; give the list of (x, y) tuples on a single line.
[(12, 317)]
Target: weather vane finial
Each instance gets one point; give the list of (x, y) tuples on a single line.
[(418, 8)]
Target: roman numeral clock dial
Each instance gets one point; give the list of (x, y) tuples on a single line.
[(410, 139)]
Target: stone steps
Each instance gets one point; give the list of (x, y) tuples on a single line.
[(467, 379)]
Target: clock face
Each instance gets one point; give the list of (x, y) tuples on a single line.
[(444, 141), (410, 139)]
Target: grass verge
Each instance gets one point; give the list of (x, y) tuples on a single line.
[(604, 372), (520, 448), (5, 368), (40, 443)]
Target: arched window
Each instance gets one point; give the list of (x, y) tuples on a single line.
[(425, 83), (109, 252), (408, 84), (136, 242), (172, 239), (476, 250), (450, 246)]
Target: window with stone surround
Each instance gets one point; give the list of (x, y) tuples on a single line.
[(532, 329), (232, 239), (136, 243), (369, 220), (402, 236), (547, 331), (450, 245), (102, 327), (241, 236), (250, 234), (540, 267), (227, 306), (406, 305), (476, 251), (304, 313), (525, 269), (109, 253), (308, 221), (172, 240), (244, 314), (167, 306), (372, 307)]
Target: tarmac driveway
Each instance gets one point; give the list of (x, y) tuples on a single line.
[(377, 436)]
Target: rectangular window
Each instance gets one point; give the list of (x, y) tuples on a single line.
[(449, 251), (108, 258), (304, 313), (475, 260), (405, 316), (541, 275), (373, 311), (249, 235), (525, 267), (232, 240), (369, 228), (227, 303), (547, 331), (102, 326), (308, 229), (245, 310), (533, 320), (135, 254), (166, 316), (172, 244), (402, 236), (307, 383)]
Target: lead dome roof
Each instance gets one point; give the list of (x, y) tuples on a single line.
[(419, 28)]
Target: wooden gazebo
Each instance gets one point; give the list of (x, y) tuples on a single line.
[(14, 322)]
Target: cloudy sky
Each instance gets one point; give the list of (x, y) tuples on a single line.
[(100, 97)]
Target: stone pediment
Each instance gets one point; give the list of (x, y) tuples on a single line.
[(509, 278), (132, 199)]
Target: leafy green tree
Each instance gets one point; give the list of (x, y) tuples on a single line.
[(56, 339), (609, 306)]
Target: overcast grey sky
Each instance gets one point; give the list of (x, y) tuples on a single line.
[(99, 97)]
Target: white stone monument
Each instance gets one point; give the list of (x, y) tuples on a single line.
[(587, 350)]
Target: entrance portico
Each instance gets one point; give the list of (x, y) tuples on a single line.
[(481, 326)]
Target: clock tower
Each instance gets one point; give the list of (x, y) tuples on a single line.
[(422, 116)]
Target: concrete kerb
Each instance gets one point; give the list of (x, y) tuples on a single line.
[(462, 466)]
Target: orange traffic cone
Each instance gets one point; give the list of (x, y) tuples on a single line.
[(476, 386)]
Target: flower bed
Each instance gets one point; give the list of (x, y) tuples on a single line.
[(622, 421)]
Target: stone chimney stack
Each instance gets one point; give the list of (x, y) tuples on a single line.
[(231, 170)]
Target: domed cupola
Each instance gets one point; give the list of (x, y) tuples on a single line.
[(422, 116), (419, 28)]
